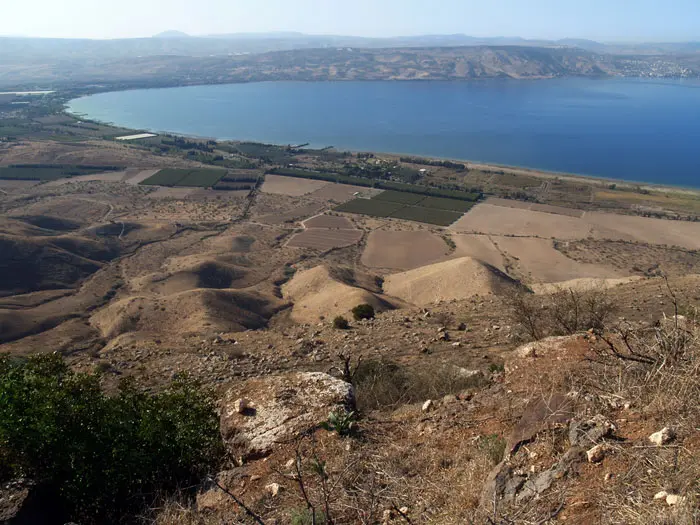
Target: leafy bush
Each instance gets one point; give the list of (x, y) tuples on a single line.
[(341, 323), (363, 311), (101, 456)]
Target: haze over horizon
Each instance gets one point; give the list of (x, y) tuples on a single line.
[(600, 20)]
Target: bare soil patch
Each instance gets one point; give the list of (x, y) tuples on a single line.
[(537, 261), (10, 185), (137, 176), (498, 220), (325, 239), (545, 208), (403, 250), (455, 279), (557, 210), (112, 176), (171, 193), (643, 229), (634, 258), (318, 293), (508, 203), (479, 247), (291, 216), (329, 221), (292, 186)]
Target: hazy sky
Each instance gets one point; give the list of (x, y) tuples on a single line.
[(611, 20)]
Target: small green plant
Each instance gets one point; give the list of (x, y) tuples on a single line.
[(341, 323), (306, 517), (344, 423), (363, 311), (497, 368), (494, 446)]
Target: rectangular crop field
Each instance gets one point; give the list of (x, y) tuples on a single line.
[(399, 196), (201, 178), (441, 203), (427, 215), (189, 178), (372, 207), (48, 173)]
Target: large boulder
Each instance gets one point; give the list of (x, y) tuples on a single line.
[(279, 408)]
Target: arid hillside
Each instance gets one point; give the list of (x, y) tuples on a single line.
[(508, 367)]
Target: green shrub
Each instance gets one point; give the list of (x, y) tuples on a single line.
[(381, 384), (341, 323), (363, 311), (102, 457), (341, 422)]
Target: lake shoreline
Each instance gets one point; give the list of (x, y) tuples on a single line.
[(636, 157)]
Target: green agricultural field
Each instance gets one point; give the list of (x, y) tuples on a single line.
[(442, 203), (49, 172), (374, 208), (399, 197), (202, 178), (190, 178), (427, 215)]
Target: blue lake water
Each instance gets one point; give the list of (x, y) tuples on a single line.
[(639, 130)]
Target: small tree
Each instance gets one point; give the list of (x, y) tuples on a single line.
[(363, 311), (341, 323)]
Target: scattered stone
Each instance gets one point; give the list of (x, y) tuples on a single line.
[(427, 406), (462, 327), (290, 464), (285, 406), (273, 489), (590, 432), (456, 344), (660, 495), (674, 499), (241, 405), (597, 453), (662, 437)]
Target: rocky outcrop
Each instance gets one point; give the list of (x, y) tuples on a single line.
[(278, 409)]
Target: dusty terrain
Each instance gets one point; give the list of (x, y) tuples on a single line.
[(235, 288)]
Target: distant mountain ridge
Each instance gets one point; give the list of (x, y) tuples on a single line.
[(17, 50)]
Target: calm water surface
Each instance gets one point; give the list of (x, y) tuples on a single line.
[(625, 129)]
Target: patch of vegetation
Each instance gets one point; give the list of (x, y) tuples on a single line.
[(48, 172), (438, 163), (101, 457), (398, 196), (341, 323), (470, 196), (442, 203), (371, 207), (344, 423), (381, 384), (426, 215), (192, 178), (363, 311), (494, 446)]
